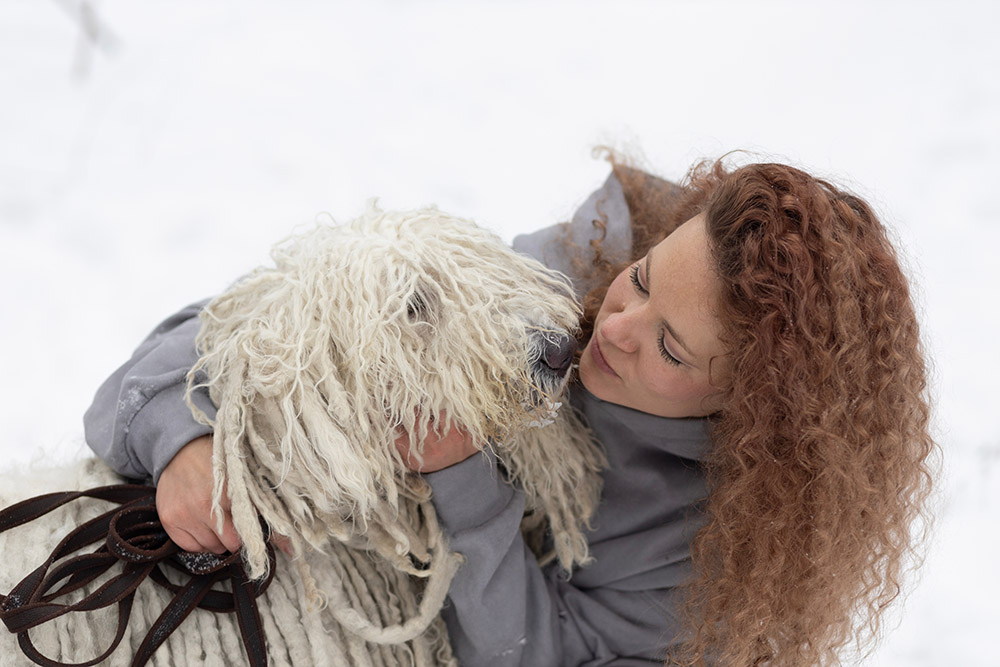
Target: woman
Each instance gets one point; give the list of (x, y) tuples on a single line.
[(753, 368)]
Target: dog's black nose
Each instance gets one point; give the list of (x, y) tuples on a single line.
[(558, 352)]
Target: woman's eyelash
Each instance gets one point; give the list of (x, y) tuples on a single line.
[(669, 358), (633, 274)]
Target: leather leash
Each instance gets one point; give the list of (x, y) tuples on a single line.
[(130, 534)]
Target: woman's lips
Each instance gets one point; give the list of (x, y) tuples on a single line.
[(599, 360)]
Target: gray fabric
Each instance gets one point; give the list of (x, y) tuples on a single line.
[(503, 609), (619, 610), (565, 246), (622, 608), (139, 419)]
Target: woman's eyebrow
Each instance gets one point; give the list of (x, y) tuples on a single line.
[(666, 325)]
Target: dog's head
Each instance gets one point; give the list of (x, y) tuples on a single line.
[(361, 332)]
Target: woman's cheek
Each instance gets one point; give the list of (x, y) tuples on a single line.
[(667, 382), (681, 384)]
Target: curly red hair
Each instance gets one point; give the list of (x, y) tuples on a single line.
[(821, 464)]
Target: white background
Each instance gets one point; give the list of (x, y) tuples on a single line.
[(148, 165)]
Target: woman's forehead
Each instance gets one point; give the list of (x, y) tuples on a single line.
[(684, 287)]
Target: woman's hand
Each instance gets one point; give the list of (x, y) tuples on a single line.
[(451, 447), (184, 492), (184, 502)]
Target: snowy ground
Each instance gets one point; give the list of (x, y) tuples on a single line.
[(146, 167)]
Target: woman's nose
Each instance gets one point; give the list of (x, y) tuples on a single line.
[(619, 330)]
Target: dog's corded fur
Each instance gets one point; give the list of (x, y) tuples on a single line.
[(296, 636), (361, 332)]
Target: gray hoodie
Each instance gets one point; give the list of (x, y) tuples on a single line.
[(503, 609)]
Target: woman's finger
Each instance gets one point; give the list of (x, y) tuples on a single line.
[(195, 541), (229, 538)]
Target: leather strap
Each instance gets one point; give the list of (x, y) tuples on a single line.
[(131, 534)]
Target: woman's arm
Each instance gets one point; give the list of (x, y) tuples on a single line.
[(501, 611), (140, 425), (139, 419), (505, 610)]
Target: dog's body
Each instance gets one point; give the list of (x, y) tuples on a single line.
[(296, 632), (361, 332)]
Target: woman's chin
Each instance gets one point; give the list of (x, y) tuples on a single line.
[(591, 378)]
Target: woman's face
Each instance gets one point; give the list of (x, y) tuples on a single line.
[(657, 333)]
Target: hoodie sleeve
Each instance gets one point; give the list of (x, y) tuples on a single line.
[(139, 419), (504, 610)]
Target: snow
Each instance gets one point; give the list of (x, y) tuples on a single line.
[(146, 169)]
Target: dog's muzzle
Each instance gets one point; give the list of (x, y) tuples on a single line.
[(553, 353), (557, 353)]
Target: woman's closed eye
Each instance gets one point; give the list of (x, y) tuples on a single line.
[(669, 358), (633, 274), (634, 277)]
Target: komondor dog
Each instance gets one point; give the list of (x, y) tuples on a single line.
[(359, 333)]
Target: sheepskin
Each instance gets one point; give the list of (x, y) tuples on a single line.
[(358, 333)]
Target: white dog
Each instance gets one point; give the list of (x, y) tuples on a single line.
[(359, 332)]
